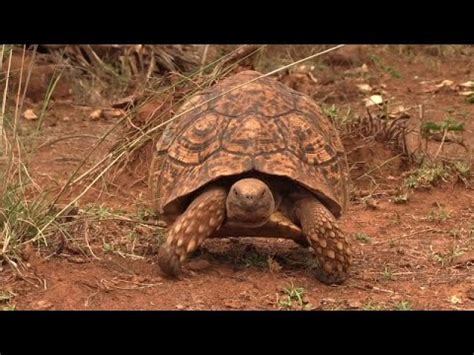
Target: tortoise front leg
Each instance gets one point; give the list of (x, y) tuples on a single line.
[(330, 245), (203, 217)]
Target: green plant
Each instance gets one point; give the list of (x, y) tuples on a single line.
[(293, 294), (255, 259), (438, 215), (102, 212), (389, 70), (5, 296), (444, 259), (456, 233), (331, 111), (338, 116), (144, 214), (387, 274), (429, 128), (108, 248), (371, 306), (394, 73), (362, 237), (5, 301), (400, 306), (462, 171), (403, 306), (426, 176), (437, 258), (401, 197), (26, 211), (273, 265)]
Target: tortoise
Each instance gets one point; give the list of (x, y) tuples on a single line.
[(252, 157)]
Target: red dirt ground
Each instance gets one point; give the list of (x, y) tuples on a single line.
[(414, 255)]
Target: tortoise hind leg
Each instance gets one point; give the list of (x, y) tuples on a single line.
[(203, 217), (330, 246)]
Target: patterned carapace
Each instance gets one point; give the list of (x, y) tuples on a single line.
[(264, 127)]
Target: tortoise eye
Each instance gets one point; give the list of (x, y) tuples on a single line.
[(236, 193), (263, 193)]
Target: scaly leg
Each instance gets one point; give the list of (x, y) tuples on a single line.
[(330, 245), (203, 217)]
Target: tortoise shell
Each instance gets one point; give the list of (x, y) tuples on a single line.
[(263, 127)]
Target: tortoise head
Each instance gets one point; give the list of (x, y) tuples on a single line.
[(250, 203)]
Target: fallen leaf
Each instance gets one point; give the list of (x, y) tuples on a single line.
[(95, 115), (466, 93), (30, 115), (365, 87), (373, 100)]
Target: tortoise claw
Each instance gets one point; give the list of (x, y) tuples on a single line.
[(168, 261)]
